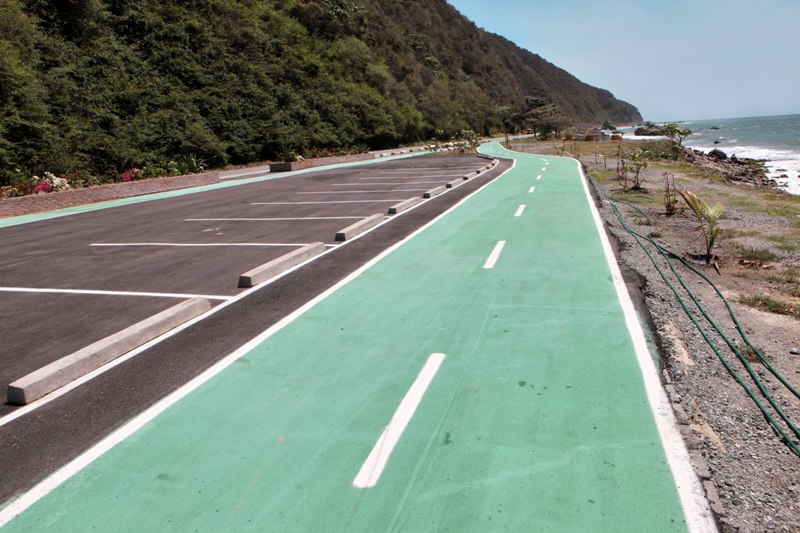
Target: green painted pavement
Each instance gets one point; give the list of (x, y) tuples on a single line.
[(58, 213), (536, 421)]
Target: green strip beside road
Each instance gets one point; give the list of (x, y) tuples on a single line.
[(537, 419)]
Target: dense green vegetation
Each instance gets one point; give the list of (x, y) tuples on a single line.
[(92, 88)]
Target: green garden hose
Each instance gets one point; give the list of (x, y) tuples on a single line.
[(666, 254)]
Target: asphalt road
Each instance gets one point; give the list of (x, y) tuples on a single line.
[(489, 374), (149, 256)]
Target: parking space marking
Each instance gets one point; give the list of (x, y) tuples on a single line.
[(331, 202), (371, 470), (203, 245), (495, 255), (384, 184), (363, 192), (273, 219), (91, 292)]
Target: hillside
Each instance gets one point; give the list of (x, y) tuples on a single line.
[(90, 88)]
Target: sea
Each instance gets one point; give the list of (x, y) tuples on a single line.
[(775, 139)]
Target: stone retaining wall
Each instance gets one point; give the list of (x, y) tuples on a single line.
[(25, 205)]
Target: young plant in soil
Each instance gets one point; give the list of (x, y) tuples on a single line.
[(709, 218)]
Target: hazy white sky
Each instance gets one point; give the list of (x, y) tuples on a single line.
[(673, 59)]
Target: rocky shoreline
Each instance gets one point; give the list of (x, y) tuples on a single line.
[(743, 170)]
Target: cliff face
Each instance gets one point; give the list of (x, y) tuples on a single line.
[(95, 87)]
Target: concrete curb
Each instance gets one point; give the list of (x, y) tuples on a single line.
[(269, 270), (405, 204), (359, 227), (434, 192), (71, 367)]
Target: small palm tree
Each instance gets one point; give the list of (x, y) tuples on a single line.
[(708, 217)]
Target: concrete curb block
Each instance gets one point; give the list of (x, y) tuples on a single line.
[(262, 273), (405, 204), (359, 227), (455, 183), (79, 363), (470, 176), (434, 192)]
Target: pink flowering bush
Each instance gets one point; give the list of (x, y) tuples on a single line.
[(49, 183), (131, 175)]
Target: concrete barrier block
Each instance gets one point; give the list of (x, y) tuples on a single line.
[(434, 192), (455, 183), (271, 269), (77, 364), (405, 204), (359, 227)]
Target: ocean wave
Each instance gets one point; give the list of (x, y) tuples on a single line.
[(779, 162)]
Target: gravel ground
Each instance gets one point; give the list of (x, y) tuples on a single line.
[(752, 476)]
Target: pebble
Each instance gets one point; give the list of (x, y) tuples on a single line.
[(794, 351)]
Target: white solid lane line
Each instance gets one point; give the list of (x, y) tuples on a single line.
[(371, 470), (113, 293), (532, 189), (495, 255), (520, 210)]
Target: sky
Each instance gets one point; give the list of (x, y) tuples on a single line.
[(673, 59)]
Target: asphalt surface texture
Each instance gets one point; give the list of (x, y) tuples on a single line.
[(133, 250)]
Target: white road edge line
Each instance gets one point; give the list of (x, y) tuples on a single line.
[(532, 189), (114, 293), (52, 482), (495, 255), (693, 500), (371, 470), (520, 210)]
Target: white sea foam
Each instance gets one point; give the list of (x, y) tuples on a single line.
[(778, 162)]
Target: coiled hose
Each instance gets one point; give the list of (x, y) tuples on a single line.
[(667, 255)]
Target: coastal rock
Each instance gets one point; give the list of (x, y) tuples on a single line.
[(716, 153), (714, 127), (751, 171), (716, 142), (648, 131), (607, 126)]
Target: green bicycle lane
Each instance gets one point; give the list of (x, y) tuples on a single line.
[(537, 419)]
